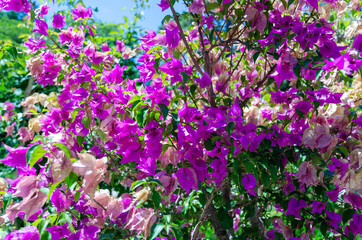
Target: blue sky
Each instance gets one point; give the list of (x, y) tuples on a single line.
[(115, 10)]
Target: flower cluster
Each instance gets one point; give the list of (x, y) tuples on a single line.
[(250, 123)]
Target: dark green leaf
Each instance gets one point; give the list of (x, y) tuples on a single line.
[(297, 70), (255, 56), (347, 215), (156, 198), (141, 116), (164, 110), (225, 219)]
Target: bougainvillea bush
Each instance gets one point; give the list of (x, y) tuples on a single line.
[(245, 125)]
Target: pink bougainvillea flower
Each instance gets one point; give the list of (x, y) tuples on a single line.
[(28, 233), (25, 134), (141, 220), (197, 6), (58, 21), (30, 205), (41, 27), (93, 170), (120, 46), (354, 199), (307, 174), (187, 178), (249, 182), (257, 19)]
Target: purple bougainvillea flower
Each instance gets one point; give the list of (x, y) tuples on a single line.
[(313, 3), (249, 182), (15, 5), (318, 207), (59, 200), (28, 233), (187, 178), (41, 27), (172, 34), (81, 12), (164, 5), (334, 219), (43, 10), (357, 43), (58, 21), (333, 194), (329, 49), (204, 80), (358, 121), (16, 157), (59, 232), (304, 106), (227, 1), (294, 207)]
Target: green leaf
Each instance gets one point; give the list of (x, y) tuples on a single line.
[(80, 140), (285, 4), (101, 135), (71, 179), (77, 196), (255, 56), (290, 2), (318, 74), (138, 183), (141, 115), (212, 6), (185, 77), (158, 182), (34, 153), (156, 230), (209, 145), (75, 113), (230, 127), (344, 151), (52, 188), (164, 110), (265, 178), (347, 215), (166, 19), (297, 70), (64, 148), (225, 219), (156, 198)]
